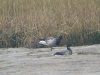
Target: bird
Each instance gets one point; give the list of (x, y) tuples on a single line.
[(50, 41), (65, 51)]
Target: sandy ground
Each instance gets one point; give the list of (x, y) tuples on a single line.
[(22, 61)]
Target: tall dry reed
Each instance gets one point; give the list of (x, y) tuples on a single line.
[(22, 22)]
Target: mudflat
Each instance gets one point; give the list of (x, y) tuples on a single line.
[(85, 60)]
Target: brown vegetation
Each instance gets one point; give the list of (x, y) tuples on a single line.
[(22, 22)]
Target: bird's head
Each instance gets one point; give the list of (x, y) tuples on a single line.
[(68, 45)]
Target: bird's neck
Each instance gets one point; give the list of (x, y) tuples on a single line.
[(68, 48)]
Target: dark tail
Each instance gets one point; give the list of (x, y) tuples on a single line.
[(58, 40)]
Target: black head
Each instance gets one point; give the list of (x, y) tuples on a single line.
[(68, 45)]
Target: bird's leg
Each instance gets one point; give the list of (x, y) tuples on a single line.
[(51, 48), (70, 52)]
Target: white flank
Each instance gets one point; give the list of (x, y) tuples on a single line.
[(43, 42)]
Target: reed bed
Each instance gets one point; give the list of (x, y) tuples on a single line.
[(23, 22)]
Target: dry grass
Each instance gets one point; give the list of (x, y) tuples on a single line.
[(22, 22)]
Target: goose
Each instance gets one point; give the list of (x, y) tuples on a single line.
[(64, 52), (50, 41)]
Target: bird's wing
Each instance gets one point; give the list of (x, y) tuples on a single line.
[(48, 38), (51, 42)]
